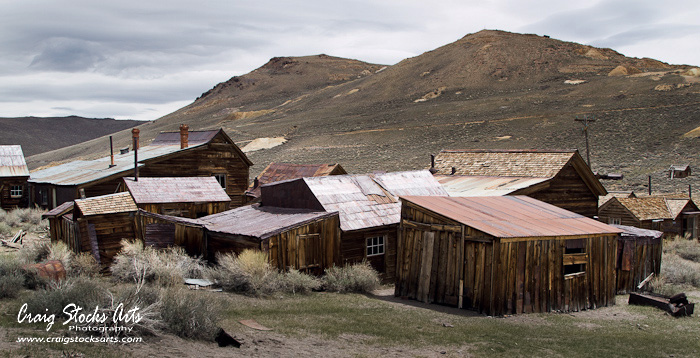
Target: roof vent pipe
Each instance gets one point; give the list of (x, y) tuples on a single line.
[(454, 170), (184, 133), (111, 153), (432, 164), (135, 135)]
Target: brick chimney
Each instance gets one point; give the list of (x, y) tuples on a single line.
[(184, 128), (135, 135)]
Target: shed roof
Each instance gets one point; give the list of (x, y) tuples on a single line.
[(631, 231), (260, 221), (81, 171), (365, 201), (12, 163), (176, 190), (467, 185), (59, 210), (106, 204), (512, 216), (275, 172), (503, 163)]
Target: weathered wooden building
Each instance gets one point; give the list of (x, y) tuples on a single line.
[(638, 256), (13, 178), (189, 197), (293, 238), (368, 206), (171, 154), (62, 226), (275, 172), (679, 171), (672, 216), (504, 254), (560, 178), (101, 223)]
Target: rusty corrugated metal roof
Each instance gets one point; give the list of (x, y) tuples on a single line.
[(512, 216), (260, 221), (467, 185), (176, 190), (502, 163), (12, 163), (106, 204), (276, 172), (365, 201)]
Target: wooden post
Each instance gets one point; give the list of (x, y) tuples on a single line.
[(585, 121)]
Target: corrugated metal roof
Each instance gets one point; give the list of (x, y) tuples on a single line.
[(276, 172), (106, 204), (466, 185), (502, 163), (260, 221), (12, 163), (176, 190), (193, 138), (512, 216), (638, 232), (363, 203)]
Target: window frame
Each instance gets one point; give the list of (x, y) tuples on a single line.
[(575, 257), (221, 178), (377, 243), (14, 189), (614, 221)]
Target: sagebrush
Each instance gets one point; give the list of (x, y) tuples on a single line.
[(359, 277), (165, 267)]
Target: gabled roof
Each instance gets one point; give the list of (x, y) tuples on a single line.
[(365, 201), (680, 168), (176, 190), (467, 185), (652, 207), (12, 163), (275, 172), (519, 163), (260, 221), (512, 216), (106, 204), (80, 171)]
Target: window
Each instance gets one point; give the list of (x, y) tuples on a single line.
[(44, 196), (16, 191), (614, 221), (221, 178), (575, 257), (375, 246)]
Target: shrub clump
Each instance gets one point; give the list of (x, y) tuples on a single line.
[(189, 314), (12, 277), (250, 273), (56, 295), (359, 278), (685, 248), (166, 267), (84, 264), (25, 219)]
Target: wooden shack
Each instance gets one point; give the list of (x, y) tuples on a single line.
[(638, 256), (368, 206), (560, 178), (504, 255), (13, 178), (679, 171), (171, 154), (189, 197), (101, 224), (275, 172), (302, 239), (61, 225), (672, 216)]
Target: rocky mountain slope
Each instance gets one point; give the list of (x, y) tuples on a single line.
[(491, 89)]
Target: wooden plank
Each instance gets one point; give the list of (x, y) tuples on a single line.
[(520, 277), (426, 266)]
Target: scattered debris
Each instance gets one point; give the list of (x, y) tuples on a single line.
[(10, 245), (677, 305), (52, 270), (18, 236), (197, 283), (646, 280), (447, 325), (574, 82), (254, 325), (224, 339)]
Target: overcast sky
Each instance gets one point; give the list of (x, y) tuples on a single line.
[(143, 59)]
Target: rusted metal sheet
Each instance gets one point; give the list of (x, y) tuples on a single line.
[(260, 221), (467, 185), (176, 190), (12, 163), (512, 216), (106, 204)]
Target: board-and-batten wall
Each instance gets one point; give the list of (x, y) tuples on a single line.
[(443, 261), (569, 191)]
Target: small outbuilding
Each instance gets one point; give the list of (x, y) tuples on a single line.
[(13, 178), (275, 172), (679, 171), (504, 254), (189, 197), (672, 216), (638, 256)]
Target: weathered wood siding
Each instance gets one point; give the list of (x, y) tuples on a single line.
[(151, 229), (442, 261), (186, 210), (109, 230), (7, 202), (567, 190), (353, 249), (216, 157), (64, 229), (311, 248), (615, 210), (637, 258)]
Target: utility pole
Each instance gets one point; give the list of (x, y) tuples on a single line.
[(585, 121)]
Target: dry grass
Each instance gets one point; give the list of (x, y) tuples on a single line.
[(680, 267), (361, 278), (25, 219)]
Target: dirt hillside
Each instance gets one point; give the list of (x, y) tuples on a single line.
[(491, 89)]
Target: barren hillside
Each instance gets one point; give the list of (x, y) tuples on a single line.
[(491, 89)]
